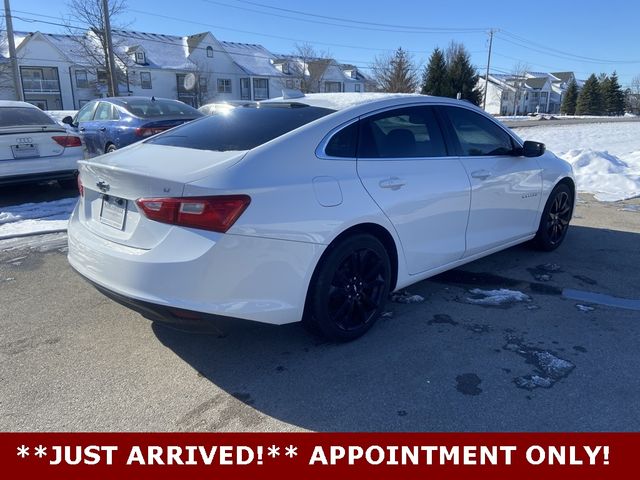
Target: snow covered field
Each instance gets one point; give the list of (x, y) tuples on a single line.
[(605, 157)]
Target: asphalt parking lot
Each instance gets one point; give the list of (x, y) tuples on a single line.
[(73, 360)]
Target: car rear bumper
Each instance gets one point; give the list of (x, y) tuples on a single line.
[(192, 272)]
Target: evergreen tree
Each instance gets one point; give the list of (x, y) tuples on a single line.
[(590, 98), (435, 79), (614, 98), (570, 98), (463, 77), (604, 84), (396, 73)]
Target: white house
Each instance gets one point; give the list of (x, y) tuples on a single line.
[(58, 73), (531, 92)]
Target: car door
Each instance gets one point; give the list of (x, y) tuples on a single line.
[(106, 126), (403, 164), (505, 186), (83, 121)]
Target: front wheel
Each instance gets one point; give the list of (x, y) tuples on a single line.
[(110, 148), (555, 219), (350, 288)]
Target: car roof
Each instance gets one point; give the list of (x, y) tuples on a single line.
[(133, 98), (14, 103), (342, 101)]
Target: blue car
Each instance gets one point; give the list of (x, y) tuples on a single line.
[(107, 124)]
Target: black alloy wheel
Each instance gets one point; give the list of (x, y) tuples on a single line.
[(351, 288), (555, 218)]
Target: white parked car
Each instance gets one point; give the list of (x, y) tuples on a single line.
[(312, 208), (224, 107), (33, 147)]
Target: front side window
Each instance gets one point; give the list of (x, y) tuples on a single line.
[(477, 135), (224, 85), (106, 111), (81, 79), (86, 113), (145, 80), (409, 132)]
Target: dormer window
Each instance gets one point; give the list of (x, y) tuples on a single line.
[(210, 52), (285, 68), (140, 58)]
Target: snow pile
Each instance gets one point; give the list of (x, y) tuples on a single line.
[(605, 156), (495, 298), (32, 218), (606, 176)]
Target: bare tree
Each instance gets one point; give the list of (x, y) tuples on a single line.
[(91, 44), (517, 81), (632, 95), (395, 72), (308, 66)]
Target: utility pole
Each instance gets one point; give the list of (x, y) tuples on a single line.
[(12, 51), (486, 77), (111, 64)]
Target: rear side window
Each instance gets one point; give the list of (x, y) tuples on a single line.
[(106, 111), (17, 116), (478, 136), (144, 108), (344, 144), (243, 128), (409, 132)]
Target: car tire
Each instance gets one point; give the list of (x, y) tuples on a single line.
[(349, 289), (110, 148), (555, 219)]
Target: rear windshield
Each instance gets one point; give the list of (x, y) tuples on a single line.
[(158, 108), (19, 116), (242, 128)]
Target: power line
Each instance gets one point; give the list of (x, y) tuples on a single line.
[(360, 24)]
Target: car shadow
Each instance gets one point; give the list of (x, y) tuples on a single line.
[(402, 374)]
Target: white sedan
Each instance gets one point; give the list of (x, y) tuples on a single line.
[(33, 147), (311, 208)]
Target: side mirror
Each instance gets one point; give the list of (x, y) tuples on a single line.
[(68, 120), (533, 149)]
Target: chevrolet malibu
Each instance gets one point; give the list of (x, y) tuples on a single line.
[(311, 208)]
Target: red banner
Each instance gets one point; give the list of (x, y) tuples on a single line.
[(317, 455)]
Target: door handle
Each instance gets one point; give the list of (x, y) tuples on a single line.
[(102, 129), (481, 174), (394, 183), (81, 129)]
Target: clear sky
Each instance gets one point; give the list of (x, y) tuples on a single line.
[(584, 37)]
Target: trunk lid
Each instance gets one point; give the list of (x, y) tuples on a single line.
[(113, 182), (29, 142)]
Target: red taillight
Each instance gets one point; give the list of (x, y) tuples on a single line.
[(67, 141), (80, 186), (209, 213), (147, 132)]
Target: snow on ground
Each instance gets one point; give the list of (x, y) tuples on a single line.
[(32, 218), (494, 298), (605, 156)]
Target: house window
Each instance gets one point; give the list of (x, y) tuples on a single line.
[(224, 85), (260, 88), (101, 76), (210, 52), (140, 58), (245, 90), (289, 83), (203, 85), (332, 87), (145, 80), (81, 79), (285, 68), (357, 87)]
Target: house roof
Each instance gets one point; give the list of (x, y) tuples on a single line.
[(161, 51), (253, 59), (536, 82), (563, 76)]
